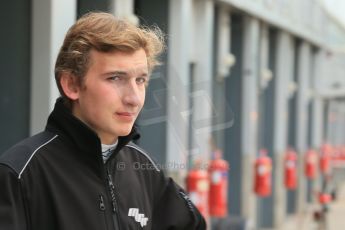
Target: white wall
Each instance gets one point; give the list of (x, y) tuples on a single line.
[(50, 22)]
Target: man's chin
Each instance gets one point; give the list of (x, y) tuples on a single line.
[(124, 133)]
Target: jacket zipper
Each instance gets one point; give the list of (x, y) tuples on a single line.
[(102, 208), (101, 203), (114, 203)]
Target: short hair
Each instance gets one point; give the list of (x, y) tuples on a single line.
[(104, 32)]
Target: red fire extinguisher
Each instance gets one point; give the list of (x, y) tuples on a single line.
[(263, 174), (218, 171), (290, 169), (325, 166), (310, 163), (324, 198), (198, 189), (343, 154)]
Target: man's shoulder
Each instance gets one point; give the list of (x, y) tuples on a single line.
[(19, 155), (144, 154)]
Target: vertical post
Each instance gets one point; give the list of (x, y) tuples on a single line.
[(222, 71), (343, 122), (317, 101), (342, 127), (284, 66), (333, 121), (249, 113), (124, 9), (303, 75), (178, 78), (233, 97), (202, 95), (50, 22), (263, 130)]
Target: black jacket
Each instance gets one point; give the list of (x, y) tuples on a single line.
[(56, 180)]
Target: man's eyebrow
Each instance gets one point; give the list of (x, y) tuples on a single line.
[(123, 73)]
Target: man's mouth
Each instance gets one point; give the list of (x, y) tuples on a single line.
[(128, 116)]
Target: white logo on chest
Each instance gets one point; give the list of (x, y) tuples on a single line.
[(138, 217)]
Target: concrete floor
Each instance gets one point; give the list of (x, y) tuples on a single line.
[(335, 219)]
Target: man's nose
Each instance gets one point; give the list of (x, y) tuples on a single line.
[(132, 95)]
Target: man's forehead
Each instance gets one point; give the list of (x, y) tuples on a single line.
[(140, 53), (122, 62)]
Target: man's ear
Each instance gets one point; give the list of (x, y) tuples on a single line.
[(70, 85)]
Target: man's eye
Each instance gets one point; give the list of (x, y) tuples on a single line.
[(114, 78), (141, 80)]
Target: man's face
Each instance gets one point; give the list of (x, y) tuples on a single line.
[(112, 93)]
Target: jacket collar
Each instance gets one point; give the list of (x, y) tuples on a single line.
[(63, 122)]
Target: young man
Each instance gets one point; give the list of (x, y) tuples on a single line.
[(82, 172)]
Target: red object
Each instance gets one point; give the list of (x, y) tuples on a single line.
[(218, 202), (290, 169), (198, 190), (325, 198), (310, 164), (337, 159), (325, 157), (263, 174)]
